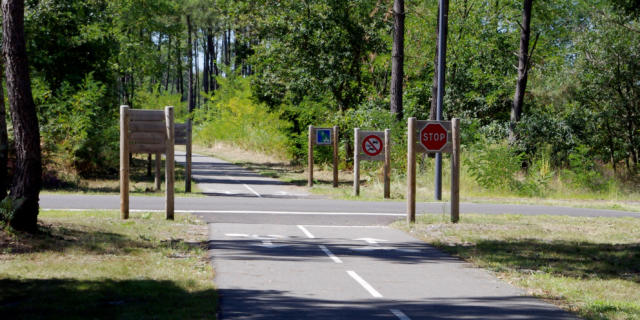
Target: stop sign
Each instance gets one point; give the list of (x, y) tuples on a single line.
[(433, 137)]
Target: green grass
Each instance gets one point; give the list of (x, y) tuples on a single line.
[(590, 266), (140, 183), (94, 265)]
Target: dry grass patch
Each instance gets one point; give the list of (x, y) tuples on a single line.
[(94, 265)]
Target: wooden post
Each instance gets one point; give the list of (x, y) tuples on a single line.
[(387, 163), (310, 157), (158, 178), (335, 156), (124, 162), (356, 162), (411, 169), (169, 162), (455, 171), (187, 173)]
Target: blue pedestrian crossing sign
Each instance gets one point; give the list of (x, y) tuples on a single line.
[(323, 136)]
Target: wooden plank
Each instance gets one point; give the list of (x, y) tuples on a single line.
[(411, 169), (148, 148), (187, 174), (146, 115), (147, 138), (169, 163), (124, 162), (147, 126)]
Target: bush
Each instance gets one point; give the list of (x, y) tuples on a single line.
[(233, 117), (494, 166), (79, 127)]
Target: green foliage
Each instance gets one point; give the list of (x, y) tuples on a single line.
[(583, 172), (494, 166), (232, 116), (8, 207)]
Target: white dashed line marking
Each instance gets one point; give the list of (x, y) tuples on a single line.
[(364, 284), (399, 314), (306, 232), (330, 254)]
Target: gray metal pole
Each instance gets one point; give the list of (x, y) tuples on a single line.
[(442, 60)]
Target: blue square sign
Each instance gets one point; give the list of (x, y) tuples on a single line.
[(323, 136)]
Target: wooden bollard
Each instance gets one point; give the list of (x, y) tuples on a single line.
[(169, 163), (124, 162)]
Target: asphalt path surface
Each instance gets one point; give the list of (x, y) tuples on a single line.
[(280, 253)]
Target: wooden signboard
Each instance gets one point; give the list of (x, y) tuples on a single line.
[(146, 131), (433, 137), (322, 136), (373, 146)]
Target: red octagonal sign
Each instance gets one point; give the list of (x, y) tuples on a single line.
[(433, 137)]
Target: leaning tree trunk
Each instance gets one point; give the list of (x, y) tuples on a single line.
[(27, 177), (4, 141), (397, 62), (523, 69)]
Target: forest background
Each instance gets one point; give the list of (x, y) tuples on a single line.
[(255, 74)]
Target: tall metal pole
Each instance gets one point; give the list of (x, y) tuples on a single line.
[(442, 61)]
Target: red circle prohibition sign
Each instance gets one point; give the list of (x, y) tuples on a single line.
[(372, 145)]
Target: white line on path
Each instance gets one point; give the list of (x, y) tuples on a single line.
[(251, 189), (364, 284), (300, 213), (306, 232), (330, 254), (399, 314)]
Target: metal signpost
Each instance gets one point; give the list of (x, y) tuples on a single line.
[(322, 137), (433, 137), (146, 131), (374, 146)]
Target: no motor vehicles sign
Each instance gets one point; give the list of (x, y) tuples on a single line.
[(371, 145)]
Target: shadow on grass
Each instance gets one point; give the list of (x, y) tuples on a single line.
[(566, 258), (106, 299)]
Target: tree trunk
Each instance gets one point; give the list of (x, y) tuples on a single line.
[(27, 177), (190, 96), (4, 140), (180, 77), (205, 70), (397, 63), (523, 69)]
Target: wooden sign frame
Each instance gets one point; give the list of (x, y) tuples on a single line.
[(312, 138), (359, 155), (147, 131), (184, 137), (413, 128)]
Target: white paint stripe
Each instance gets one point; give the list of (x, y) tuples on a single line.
[(330, 226), (364, 284), (242, 211), (306, 232), (330, 254), (251, 189), (399, 314)]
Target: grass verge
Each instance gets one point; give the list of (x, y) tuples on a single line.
[(590, 266), (94, 265), (140, 182)]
